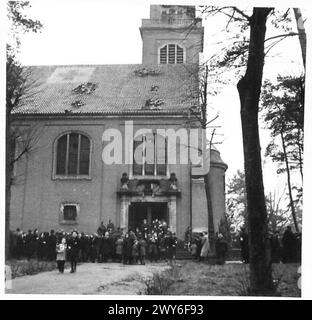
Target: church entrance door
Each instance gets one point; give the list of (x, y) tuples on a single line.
[(147, 210)]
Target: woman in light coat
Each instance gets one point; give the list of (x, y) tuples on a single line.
[(61, 255), (205, 246)]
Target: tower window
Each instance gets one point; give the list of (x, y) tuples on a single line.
[(171, 54)]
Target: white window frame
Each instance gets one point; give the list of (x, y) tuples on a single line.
[(61, 218), (154, 176), (56, 176)]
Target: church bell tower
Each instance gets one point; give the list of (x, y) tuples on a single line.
[(172, 35)]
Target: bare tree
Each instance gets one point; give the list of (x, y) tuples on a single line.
[(19, 85)]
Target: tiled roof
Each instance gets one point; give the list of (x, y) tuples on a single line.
[(112, 89)]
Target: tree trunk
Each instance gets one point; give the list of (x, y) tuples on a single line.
[(211, 231), (291, 201), (302, 34), (249, 88), (299, 143), (8, 183)]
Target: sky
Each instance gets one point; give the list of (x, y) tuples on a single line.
[(107, 32)]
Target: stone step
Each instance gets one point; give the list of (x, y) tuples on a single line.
[(183, 254)]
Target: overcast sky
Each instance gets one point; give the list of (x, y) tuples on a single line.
[(107, 32)]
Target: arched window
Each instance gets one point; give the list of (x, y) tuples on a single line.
[(73, 155), (171, 53)]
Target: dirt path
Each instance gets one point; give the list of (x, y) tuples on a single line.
[(90, 278)]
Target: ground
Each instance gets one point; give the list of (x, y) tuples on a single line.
[(90, 278), (186, 278)]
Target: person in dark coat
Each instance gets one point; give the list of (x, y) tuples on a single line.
[(289, 245), (170, 243), (13, 243), (145, 229), (162, 248), (124, 249), (84, 247), (73, 250), (101, 229), (93, 247), (153, 247), (46, 239), (244, 245), (30, 244), (276, 248), (105, 247), (42, 247), (22, 240), (193, 249), (198, 241), (19, 244), (51, 245), (36, 242), (110, 226), (142, 250), (127, 249), (221, 249)]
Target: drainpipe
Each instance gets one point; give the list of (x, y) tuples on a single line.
[(190, 167), (191, 211)]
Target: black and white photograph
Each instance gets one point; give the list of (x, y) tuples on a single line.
[(156, 148)]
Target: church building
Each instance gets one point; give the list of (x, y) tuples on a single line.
[(79, 113)]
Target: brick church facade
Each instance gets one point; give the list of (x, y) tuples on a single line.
[(64, 183)]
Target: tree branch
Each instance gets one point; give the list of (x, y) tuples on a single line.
[(242, 13), (290, 34)]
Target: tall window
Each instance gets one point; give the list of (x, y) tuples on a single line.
[(150, 155), (171, 53), (73, 155)]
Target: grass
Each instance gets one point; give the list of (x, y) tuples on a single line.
[(193, 278), (161, 283), (19, 268)]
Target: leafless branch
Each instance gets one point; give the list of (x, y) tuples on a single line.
[(290, 34)]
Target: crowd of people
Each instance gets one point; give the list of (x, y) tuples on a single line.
[(154, 242), (199, 246), (286, 249)]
